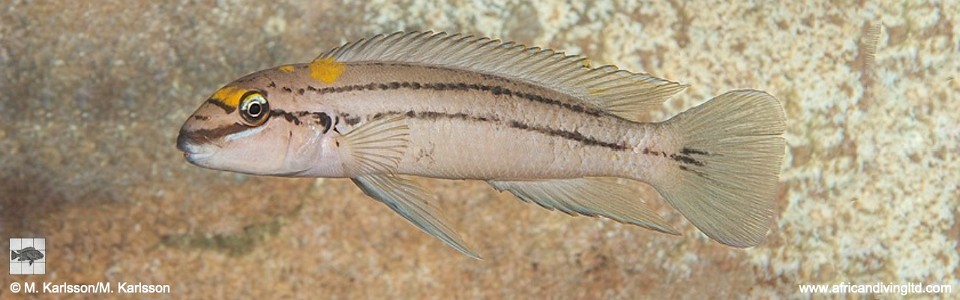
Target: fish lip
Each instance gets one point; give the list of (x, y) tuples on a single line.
[(185, 142), (194, 158), (192, 151)]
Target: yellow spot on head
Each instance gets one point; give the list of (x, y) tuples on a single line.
[(287, 68), (229, 96), (326, 70)]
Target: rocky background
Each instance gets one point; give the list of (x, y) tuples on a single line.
[(92, 94)]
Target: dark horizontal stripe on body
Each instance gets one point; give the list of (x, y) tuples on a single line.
[(683, 158), (570, 135), (566, 134), (323, 119), (350, 120), (433, 115), (448, 86), (688, 151), (686, 159), (320, 118)]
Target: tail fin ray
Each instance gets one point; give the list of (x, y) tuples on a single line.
[(725, 174)]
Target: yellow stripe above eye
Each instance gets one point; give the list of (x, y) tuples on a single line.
[(287, 68), (326, 70), (229, 96)]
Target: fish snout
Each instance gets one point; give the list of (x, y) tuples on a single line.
[(186, 141), (195, 145)]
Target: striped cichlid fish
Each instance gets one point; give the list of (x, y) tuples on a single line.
[(545, 126)]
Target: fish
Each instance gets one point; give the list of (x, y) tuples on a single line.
[(28, 253), (545, 126)]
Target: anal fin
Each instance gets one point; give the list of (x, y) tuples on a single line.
[(410, 201), (588, 196)]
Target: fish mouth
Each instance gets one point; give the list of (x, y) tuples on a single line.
[(192, 150), (196, 158)]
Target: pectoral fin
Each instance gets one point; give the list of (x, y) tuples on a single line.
[(588, 196), (413, 203), (375, 147)]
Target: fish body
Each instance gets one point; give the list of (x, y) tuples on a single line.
[(459, 121), (543, 125), (29, 253)]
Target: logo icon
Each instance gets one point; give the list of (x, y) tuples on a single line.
[(27, 256)]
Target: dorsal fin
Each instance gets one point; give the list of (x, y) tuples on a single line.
[(606, 88)]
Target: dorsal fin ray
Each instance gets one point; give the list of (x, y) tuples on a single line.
[(606, 88)]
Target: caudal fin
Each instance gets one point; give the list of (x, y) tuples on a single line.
[(724, 176), (13, 255)]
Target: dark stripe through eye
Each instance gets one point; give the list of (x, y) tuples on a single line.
[(202, 136)]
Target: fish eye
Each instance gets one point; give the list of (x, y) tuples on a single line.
[(254, 108)]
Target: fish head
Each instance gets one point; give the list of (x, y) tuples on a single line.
[(256, 126)]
